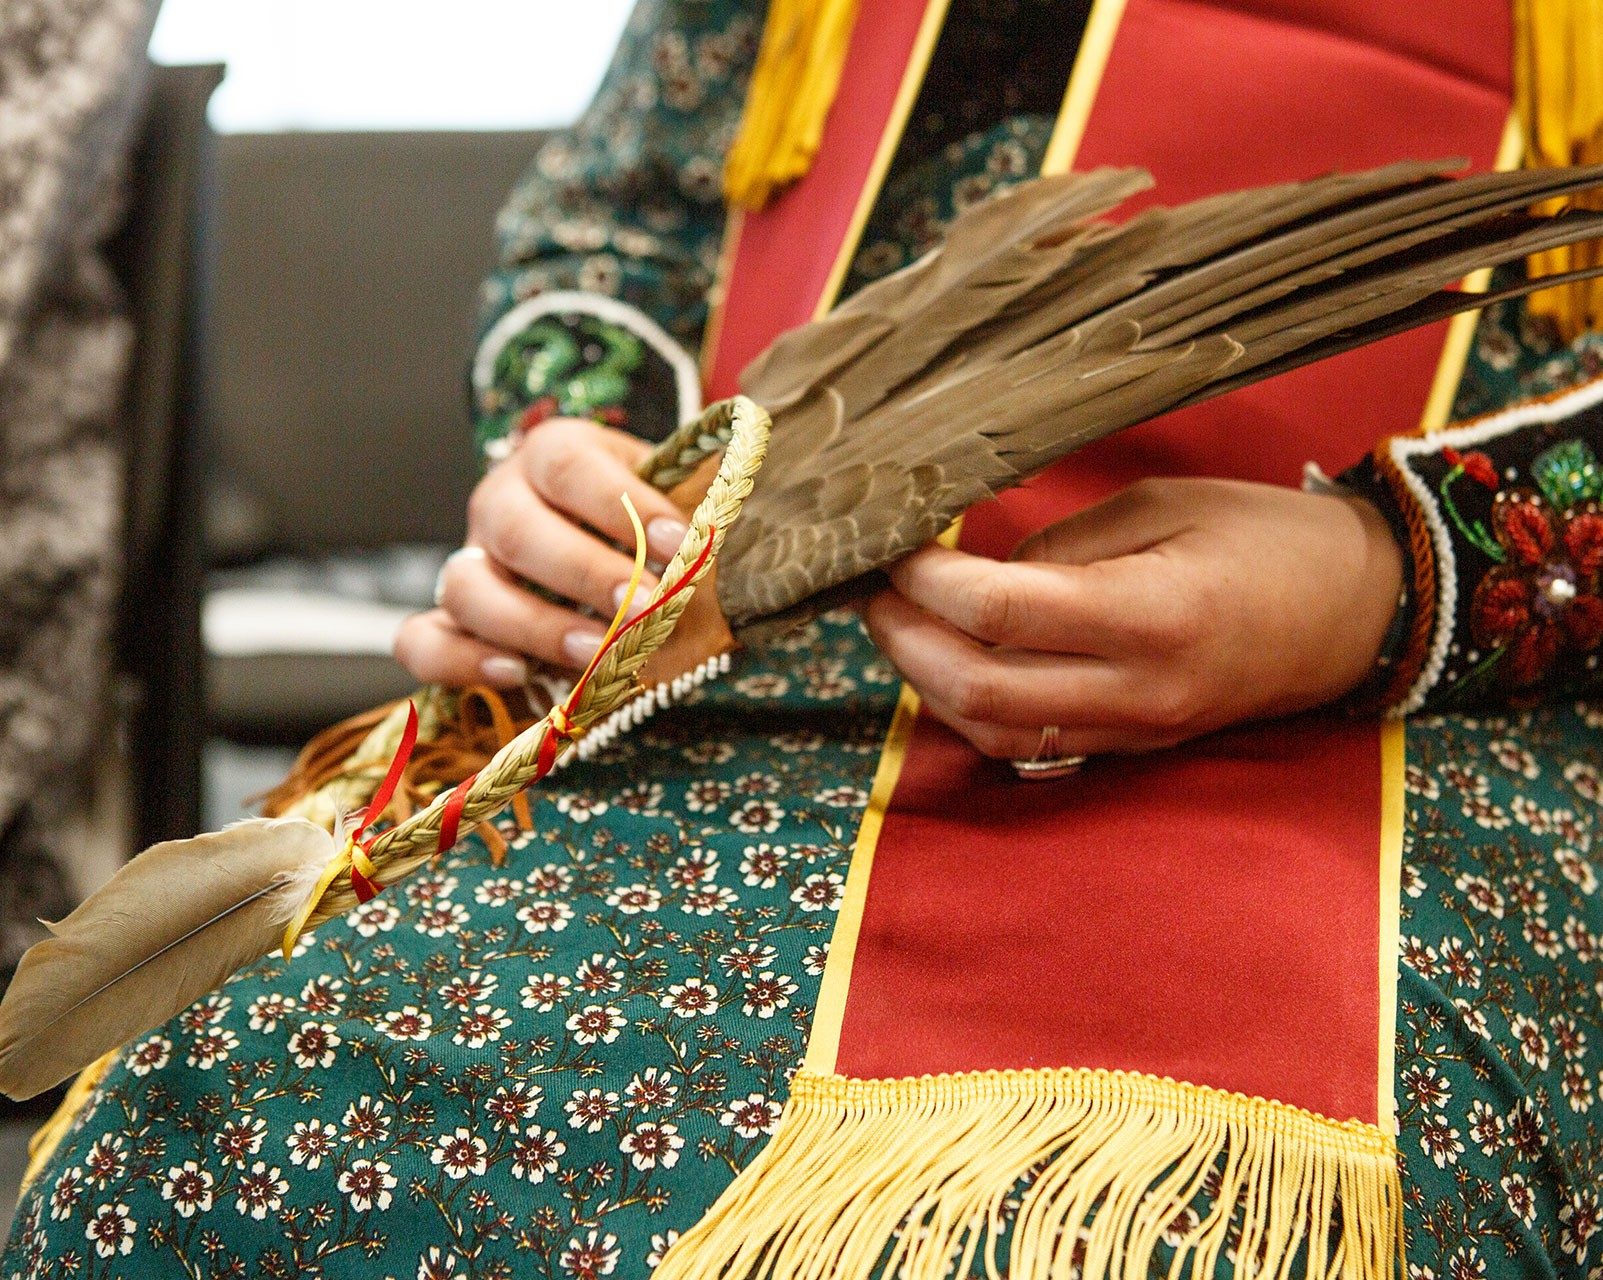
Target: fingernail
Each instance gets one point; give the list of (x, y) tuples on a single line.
[(457, 556), (664, 534), (581, 646), (642, 596), (505, 672)]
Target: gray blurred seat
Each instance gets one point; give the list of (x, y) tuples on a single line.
[(160, 256), (338, 459)]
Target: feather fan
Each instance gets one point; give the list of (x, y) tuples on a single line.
[(170, 926), (1037, 327)]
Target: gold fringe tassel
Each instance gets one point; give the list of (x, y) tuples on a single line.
[(793, 86), (1097, 1170), (1558, 97)]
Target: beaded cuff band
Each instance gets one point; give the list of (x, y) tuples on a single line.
[(579, 355), (1502, 518), (1394, 665)]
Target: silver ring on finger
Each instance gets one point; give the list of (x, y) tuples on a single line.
[(1049, 760), (461, 553)]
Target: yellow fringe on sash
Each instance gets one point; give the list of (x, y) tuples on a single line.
[(1558, 96), (1098, 1169), (792, 88)]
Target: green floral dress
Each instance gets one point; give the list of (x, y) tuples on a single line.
[(544, 1068), (551, 1068)]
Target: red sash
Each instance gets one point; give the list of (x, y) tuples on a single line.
[(1212, 913), (1223, 914)]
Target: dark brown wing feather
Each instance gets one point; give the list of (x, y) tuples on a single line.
[(1036, 329)]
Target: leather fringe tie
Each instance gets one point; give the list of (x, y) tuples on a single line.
[(456, 742)]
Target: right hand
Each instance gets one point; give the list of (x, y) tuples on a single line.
[(549, 514)]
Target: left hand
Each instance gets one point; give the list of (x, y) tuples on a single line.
[(1172, 609)]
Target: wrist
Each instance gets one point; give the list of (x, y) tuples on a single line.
[(1383, 613), (1399, 606)]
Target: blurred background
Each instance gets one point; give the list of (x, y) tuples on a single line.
[(360, 152), (393, 65), (313, 196)]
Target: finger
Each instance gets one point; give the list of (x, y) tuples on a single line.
[(1010, 687), (437, 651), (483, 602), (1010, 742), (580, 472), (1096, 609), (531, 540), (629, 449), (1135, 519)]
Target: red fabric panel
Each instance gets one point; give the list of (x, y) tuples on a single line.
[(1210, 917), (1210, 913), (1248, 99), (786, 252), (1470, 43)]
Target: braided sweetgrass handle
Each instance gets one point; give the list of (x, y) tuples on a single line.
[(675, 459), (740, 428)]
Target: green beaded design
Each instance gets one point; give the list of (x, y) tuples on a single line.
[(1568, 474), (580, 365)]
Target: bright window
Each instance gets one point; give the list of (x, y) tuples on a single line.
[(395, 64)]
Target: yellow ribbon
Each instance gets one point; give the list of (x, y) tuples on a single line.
[(1558, 96), (337, 866), (616, 625)]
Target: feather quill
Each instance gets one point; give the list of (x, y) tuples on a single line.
[(1037, 327), (171, 925)]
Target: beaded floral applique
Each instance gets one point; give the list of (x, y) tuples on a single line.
[(1540, 599), (1503, 518), (576, 355)]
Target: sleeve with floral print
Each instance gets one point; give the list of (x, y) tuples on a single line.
[(608, 246), (1502, 520)]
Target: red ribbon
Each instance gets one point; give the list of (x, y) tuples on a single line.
[(682, 585), (361, 885), (559, 729), (451, 815)]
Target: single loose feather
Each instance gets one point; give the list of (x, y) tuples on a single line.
[(170, 926), (1036, 328)]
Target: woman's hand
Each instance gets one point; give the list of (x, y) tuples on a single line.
[(549, 514), (1173, 608)]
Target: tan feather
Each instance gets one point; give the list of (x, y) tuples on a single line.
[(1035, 329), (171, 925), (803, 357)]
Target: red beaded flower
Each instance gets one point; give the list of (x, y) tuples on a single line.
[(1476, 465), (1542, 600)]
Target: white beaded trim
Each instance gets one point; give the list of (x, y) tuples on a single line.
[(642, 707), (1402, 448)]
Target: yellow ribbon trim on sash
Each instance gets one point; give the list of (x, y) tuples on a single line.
[(793, 86), (1558, 96)]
